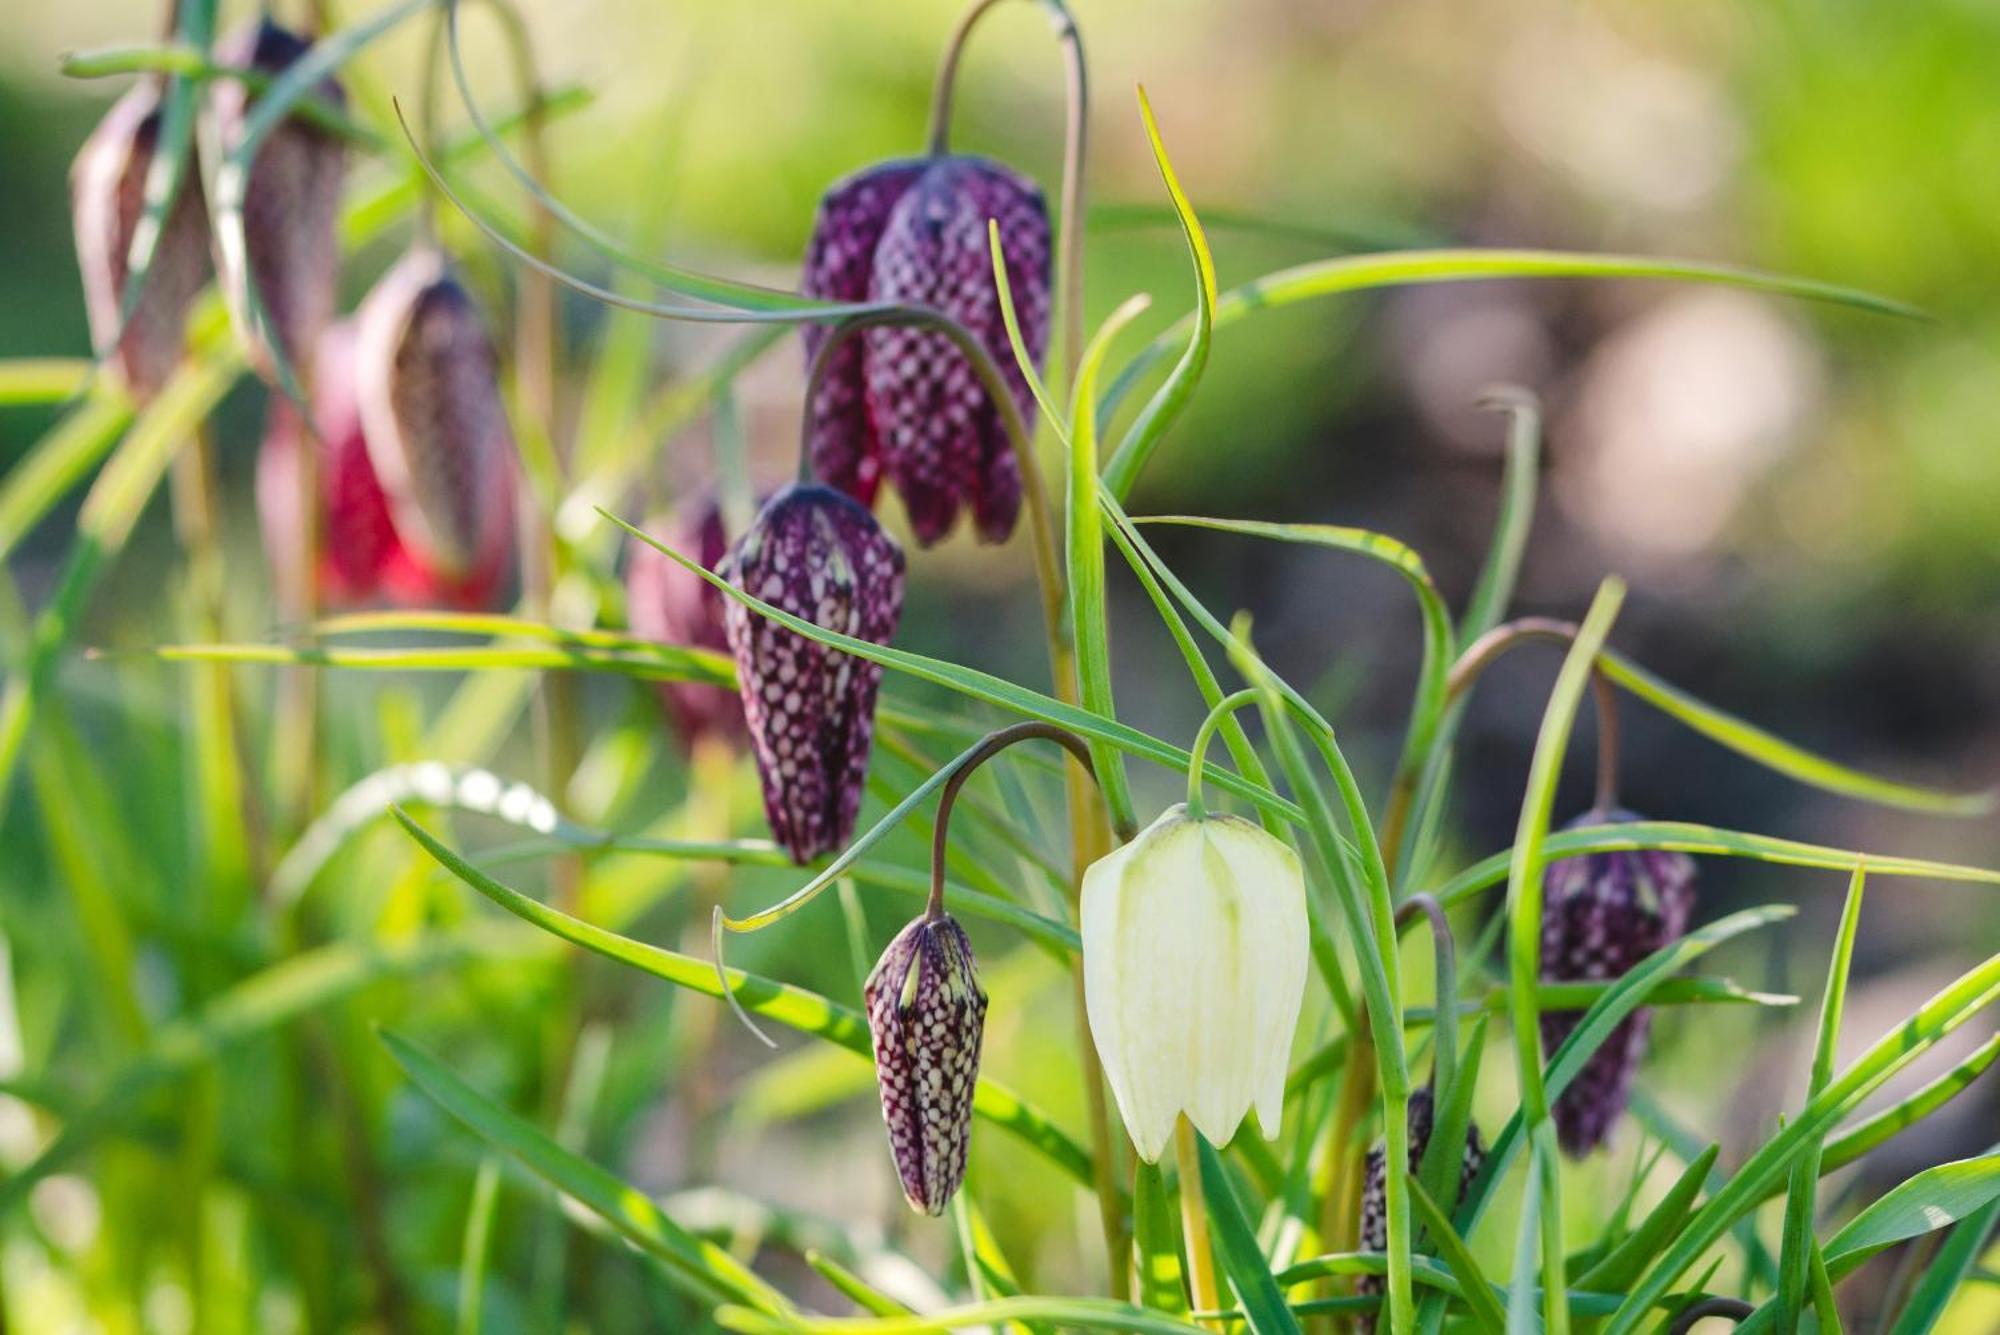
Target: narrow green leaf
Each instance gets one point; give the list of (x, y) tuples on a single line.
[(1936, 1018), (475, 1251), (1360, 273), (1493, 593), (1622, 1264), (1080, 1313), (1796, 1251), (1866, 1135), (1687, 837), (1946, 1272), (1168, 401), (42, 379), (782, 1003), (708, 1269), (1487, 1314), (870, 1298), (1263, 1303), (651, 662), (1930, 1200), (57, 462), (1162, 1281)]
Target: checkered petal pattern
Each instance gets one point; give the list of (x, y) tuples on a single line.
[(436, 428), (666, 602), (107, 198), (291, 203), (819, 555), (905, 404), (1603, 913), (926, 1013), (1374, 1231), (362, 557), (839, 261)]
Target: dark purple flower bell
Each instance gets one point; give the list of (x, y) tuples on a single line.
[(1374, 1231), (427, 383), (926, 1013), (291, 203), (666, 602), (905, 404), (819, 555), (107, 196), (1602, 913)]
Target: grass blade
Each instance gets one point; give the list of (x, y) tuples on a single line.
[(1263, 1303), (708, 1269), (1487, 1314)]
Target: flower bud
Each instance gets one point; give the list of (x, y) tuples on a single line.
[(666, 602), (909, 405), (108, 202), (1194, 969), (362, 558), (1374, 1230), (291, 202), (926, 1013), (436, 429), (1602, 913), (821, 556)]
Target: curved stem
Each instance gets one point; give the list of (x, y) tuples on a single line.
[(937, 142), (993, 744), (1224, 709), (1735, 1309), (1444, 1064), (1483, 652)]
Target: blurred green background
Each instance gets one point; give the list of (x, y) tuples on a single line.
[(1806, 500)]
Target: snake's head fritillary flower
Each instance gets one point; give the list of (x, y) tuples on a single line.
[(362, 557), (905, 404), (668, 603), (1374, 1230), (107, 197), (1194, 969), (926, 1012), (819, 555), (1602, 913), (291, 202), (428, 390)]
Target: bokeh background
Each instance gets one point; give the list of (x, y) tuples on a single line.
[(1805, 499)]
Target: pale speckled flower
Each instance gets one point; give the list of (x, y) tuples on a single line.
[(1602, 913), (904, 403), (107, 197), (1194, 969), (291, 203), (926, 1013), (427, 382), (819, 555)]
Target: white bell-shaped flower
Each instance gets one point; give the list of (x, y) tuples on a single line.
[(1194, 969)]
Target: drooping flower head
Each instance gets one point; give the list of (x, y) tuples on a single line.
[(1194, 969), (1374, 1230), (666, 602), (926, 1012), (905, 404), (291, 202), (819, 555), (362, 557), (1602, 913), (107, 196), (428, 390)]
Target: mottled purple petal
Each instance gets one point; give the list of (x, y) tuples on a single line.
[(667, 602), (436, 427), (926, 1014), (818, 554), (1374, 1230), (107, 194), (1603, 913), (291, 203), (839, 260), (940, 435)]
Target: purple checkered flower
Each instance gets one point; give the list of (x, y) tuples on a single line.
[(905, 404), (1374, 1232), (1603, 913), (926, 1013), (819, 555), (292, 200), (668, 603), (107, 195), (427, 382)]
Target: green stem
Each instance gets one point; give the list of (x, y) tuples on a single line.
[(1207, 1294), (1224, 709)]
